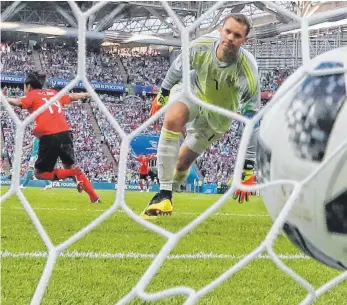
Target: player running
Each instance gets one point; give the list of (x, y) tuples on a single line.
[(54, 133), (30, 171), (223, 74), (144, 170)]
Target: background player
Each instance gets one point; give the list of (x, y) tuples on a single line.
[(30, 171), (54, 133), (144, 169), (223, 74)]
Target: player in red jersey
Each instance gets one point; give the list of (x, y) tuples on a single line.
[(144, 169), (54, 133)]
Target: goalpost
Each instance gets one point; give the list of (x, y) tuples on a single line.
[(193, 296)]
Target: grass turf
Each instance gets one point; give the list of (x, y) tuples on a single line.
[(234, 230)]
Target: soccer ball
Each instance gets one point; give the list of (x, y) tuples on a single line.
[(306, 126)]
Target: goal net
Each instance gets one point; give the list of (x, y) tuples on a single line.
[(139, 290)]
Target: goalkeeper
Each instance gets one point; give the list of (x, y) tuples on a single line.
[(223, 74)]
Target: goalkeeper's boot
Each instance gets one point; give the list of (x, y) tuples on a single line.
[(159, 205)]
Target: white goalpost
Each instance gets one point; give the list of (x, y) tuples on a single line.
[(139, 290)]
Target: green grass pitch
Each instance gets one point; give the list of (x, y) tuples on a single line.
[(103, 266)]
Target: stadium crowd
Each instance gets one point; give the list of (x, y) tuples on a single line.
[(61, 62), (270, 80), (15, 59), (146, 68), (8, 127)]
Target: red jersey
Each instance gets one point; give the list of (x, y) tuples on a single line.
[(144, 168), (52, 120)]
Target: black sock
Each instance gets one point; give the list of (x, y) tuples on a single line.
[(166, 193)]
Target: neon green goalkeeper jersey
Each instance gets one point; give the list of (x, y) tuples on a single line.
[(228, 85)]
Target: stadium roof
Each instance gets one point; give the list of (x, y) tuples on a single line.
[(149, 17)]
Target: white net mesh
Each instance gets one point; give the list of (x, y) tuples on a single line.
[(172, 238)]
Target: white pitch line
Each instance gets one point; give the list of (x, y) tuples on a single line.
[(42, 208), (120, 211), (134, 255)]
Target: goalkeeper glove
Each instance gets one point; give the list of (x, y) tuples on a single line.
[(248, 178), (160, 100)]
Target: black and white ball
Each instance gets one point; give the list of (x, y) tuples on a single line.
[(304, 128)]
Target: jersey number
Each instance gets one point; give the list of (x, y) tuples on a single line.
[(216, 84), (50, 108)]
